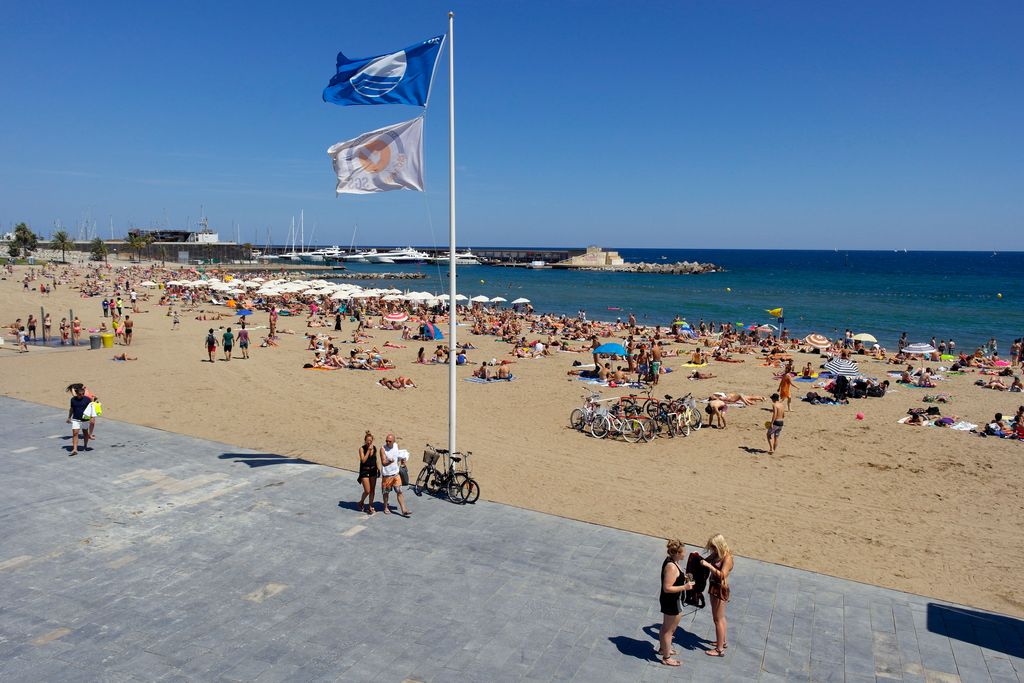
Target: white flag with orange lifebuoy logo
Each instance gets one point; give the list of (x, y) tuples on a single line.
[(385, 159)]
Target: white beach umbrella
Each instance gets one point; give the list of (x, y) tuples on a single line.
[(338, 296), (392, 297), (442, 297), (498, 300), (919, 348), (460, 297), (521, 300), (148, 283), (480, 299)]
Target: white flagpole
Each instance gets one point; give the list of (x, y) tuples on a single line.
[(452, 303)]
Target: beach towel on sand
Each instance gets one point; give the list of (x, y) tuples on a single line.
[(481, 380), (695, 365)]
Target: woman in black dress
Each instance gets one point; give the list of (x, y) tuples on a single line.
[(673, 583), (368, 472)]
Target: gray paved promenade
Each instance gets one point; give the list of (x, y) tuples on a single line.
[(158, 556)]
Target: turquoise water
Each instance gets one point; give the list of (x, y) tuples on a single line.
[(945, 294)]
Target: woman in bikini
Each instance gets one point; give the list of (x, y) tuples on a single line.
[(719, 564), (673, 583), (368, 472)]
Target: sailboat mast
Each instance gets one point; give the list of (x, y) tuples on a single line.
[(453, 305)]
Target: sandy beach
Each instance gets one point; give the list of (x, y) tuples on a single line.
[(869, 500)]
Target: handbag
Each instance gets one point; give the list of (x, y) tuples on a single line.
[(403, 473)]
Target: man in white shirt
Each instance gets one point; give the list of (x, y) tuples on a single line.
[(391, 459)]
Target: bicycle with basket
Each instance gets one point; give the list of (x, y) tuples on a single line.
[(448, 473)]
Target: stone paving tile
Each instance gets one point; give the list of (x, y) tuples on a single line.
[(159, 556)]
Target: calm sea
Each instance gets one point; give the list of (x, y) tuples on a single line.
[(925, 293)]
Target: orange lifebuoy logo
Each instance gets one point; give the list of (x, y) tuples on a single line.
[(375, 148)]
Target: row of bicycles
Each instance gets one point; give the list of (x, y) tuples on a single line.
[(447, 474), (637, 419)]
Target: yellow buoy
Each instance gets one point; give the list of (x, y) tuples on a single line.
[(728, 289), (481, 282), (999, 295)]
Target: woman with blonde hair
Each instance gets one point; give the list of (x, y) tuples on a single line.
[(719, 565), (673, 583)]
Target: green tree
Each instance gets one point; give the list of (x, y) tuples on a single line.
[(61, 241), (98, 249), (137, 242), (24, 242)]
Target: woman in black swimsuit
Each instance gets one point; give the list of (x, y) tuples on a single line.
[(719, 564), (368, 472), (673, 583)]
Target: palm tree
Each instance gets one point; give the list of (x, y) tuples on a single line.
[(99, 249), (137, 242), (60, 240)]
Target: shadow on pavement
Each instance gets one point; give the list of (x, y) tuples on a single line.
[(263, 459), (682, 638), (991, 631), (641, 649)]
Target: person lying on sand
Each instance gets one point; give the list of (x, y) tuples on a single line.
[(390, 345), (268, 341), (397, 383), (697, 374), (124, 357), (742, 399)]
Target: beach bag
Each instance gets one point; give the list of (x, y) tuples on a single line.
[(695, 596), (403, 473)]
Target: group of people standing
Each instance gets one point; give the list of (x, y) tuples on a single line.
[(677, 581)]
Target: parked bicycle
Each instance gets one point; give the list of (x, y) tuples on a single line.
[(451, 477)]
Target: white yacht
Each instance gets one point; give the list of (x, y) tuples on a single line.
[(406, 255), (358, 256), (466, 258)]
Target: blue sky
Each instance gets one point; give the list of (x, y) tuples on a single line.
[(670, 124)]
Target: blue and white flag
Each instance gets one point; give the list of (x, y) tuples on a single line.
[(401, 77), (385, 159)]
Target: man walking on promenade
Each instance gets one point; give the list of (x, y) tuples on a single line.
[(391, 460)]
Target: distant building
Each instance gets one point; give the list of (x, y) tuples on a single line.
[(593, 257)]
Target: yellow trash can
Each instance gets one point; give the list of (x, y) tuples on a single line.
[(108, 340)]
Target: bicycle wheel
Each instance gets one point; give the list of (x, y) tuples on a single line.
[(650, 430), (600, 427), (682, 421), (455, 493), (694, 418), (652, 408), (421, 481), (470, 491), (577, 419), (632, 430)]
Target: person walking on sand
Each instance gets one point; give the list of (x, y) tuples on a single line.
[(128, 325), (211, 345), (368, 473), (775, 426), (391, 461), (719, 564), (786, 389), (76, 331), (655, 362), (47, 327), (77, 419), (175, 320), (243, 341), (673, 583), (229, 343)]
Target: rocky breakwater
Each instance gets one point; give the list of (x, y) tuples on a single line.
[(678, 268)]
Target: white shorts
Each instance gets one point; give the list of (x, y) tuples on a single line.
[(79, 424)]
